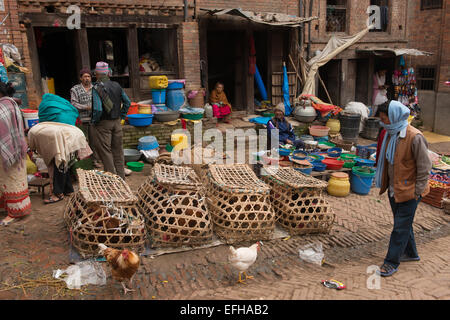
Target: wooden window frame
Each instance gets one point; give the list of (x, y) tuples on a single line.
[(419, 77), (431, 4)]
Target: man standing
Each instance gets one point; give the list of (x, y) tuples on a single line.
[(81, 98), (110, 106), (403, 169)]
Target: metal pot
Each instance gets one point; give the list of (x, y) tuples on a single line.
[(131, 155), (305, 114)]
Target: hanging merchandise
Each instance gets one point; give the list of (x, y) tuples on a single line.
[(405, 89)]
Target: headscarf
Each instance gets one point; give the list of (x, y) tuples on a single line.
[(85, 71), (398, 116)]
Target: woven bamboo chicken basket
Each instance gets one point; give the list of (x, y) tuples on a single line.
[(173, 204), (239, 204), (298, 201), (104, 211)]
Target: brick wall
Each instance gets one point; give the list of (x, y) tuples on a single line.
[(427, 29), (396, 34), (189, 45), (161, 131)]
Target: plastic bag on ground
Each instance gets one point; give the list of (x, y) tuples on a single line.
[(82, 273), (312, 253)]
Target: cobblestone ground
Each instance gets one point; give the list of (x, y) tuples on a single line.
[(33, 248)]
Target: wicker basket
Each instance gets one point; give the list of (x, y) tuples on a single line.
[(173, 204), (346, 145), (298, 201), (435, 196), (91, 223), (239, 204)]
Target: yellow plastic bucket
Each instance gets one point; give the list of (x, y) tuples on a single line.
[(158, 82), (179, 141), (339, 184)]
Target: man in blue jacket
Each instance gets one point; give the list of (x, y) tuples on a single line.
[(286, 132), (109, 106)]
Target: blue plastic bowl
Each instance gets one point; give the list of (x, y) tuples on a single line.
[(299, 155), (305, 170), (316, 157), (140, 120), (284, 152), (148, 143), (318, 166), (365, 162)]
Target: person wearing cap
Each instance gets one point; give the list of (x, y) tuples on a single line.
[(110, 106), (285, 131), (403, 170), (81, 98)]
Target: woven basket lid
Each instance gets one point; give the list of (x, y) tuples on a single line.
[(293, 178), (177, 175), (236, 176)]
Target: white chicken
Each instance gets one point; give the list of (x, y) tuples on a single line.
[(243, 258)]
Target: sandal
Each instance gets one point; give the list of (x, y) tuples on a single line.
[(50, 200), (389, 270), (6, 223)]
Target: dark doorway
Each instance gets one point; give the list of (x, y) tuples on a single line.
[(226, 64), (262, 59), (56, 51), (330, 74), (362, 84), (389, 65)]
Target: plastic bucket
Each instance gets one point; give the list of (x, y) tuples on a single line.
[(159, 96), (175, 99), (30, 117), (350, 126), (361, 179)]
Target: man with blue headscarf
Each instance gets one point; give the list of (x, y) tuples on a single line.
[(403, 169)]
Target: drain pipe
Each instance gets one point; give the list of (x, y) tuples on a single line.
[(185, 10)]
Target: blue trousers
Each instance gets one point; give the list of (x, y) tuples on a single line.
[(402, 236)]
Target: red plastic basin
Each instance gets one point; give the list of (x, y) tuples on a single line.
[(333, 164)]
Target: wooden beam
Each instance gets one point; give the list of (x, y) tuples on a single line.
[(133, 62), (34, 56), (83, 48)]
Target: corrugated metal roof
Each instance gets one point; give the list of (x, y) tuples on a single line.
[(397, 52)]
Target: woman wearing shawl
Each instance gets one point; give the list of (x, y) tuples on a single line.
[(220, 105), (14, 198), (403, 169), (379, 88)]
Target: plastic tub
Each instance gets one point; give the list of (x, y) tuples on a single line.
[(176, 84), (148, 143), (158, 82), (135, 166), (348, 163), (319, 166), (325, 145), (339, 184), (192, 116), (145, 109), (365, 163), (316, 157), (319, 131), (349, 156), (284, 152), (333, 164), (299, 155), (140, 120), (361, 179), (159, 96), (30, 117), (305, 170), (175, 98), (131, 155), (334, 152), (166, 116)]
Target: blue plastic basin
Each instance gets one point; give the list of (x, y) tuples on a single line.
[(140, 120)]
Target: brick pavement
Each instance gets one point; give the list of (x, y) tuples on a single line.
[(359, 238)]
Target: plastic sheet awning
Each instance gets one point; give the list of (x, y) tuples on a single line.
[(274, 19), (397, 52)]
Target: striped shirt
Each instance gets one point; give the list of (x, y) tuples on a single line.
[(82, 100)]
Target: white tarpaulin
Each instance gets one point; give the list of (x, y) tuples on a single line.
[(334, 46), (274, 19), (397, 52)]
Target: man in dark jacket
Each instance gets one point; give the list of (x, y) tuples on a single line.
[(285, 130), (110, 106)]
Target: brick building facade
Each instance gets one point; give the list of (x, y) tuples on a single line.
[(204, 49), (429, 23)]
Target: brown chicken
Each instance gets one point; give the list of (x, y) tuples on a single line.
[(124, 264)]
